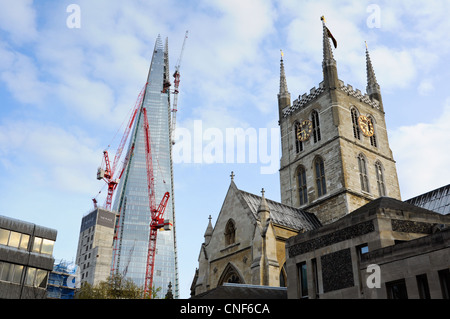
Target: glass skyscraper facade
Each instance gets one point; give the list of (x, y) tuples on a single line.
[(131, 197)]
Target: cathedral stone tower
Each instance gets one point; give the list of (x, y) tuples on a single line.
[(335, 148)]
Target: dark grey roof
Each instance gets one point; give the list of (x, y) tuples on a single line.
[(437, 200), (282, 214), (238, 291)]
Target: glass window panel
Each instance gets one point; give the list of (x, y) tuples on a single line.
[(47, 246), (303, 278), (14, 239), (7, 272), (24, 241), (37, 244), (31, 273), (41, 278), (17, 274), (4, 235)]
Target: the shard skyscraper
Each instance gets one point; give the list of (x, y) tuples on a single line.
[(131, 198)]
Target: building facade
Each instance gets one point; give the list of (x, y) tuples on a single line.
[(94, 252), (386, 249), (336, 166), (246, 246), (337, 163), (25, 259), (335, 149), (132, 199)]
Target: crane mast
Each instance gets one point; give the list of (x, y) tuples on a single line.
[(108, 174), (157, 214), (176, 76)]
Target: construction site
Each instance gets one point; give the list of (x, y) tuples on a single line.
[(134, 233), (63, 280)]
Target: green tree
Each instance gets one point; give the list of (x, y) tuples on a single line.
[(114, 287)]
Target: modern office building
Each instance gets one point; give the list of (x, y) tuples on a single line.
[(94, 251), (25, 259), (132, 199)]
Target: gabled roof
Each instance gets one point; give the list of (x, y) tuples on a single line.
[(282, 215)]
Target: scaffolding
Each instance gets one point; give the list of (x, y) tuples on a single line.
[(63, 280)]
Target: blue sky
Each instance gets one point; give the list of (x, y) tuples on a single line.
[(65, 93)]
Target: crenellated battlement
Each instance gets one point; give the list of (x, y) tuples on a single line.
[(304, 99), (314, 93), (357, 94)]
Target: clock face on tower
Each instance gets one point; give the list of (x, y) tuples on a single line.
[(304, 130), (366, 126)]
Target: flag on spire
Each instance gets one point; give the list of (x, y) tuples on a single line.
[(329, 33)]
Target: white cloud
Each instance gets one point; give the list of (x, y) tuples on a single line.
[(425, 87), (394, 68), (422, 155), (50, 156), (18, 19), (21, 77)]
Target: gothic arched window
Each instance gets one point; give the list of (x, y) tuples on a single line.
[(283, 276), (373, 138), (298, 144), (362, 166), (356, 131), (230, 233), (230, 275), (315, 126), (380, 179), (302, 189), (319, 169)]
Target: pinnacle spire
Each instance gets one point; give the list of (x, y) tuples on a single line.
[(209, 231), (263, 206), (328, 57), (373, 88), (284, 97), (283, 82), (330, 75), (372, 83)]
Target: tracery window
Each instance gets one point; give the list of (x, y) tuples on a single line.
[(302, 188), (230, 233), (298, 144), (315, 126), (362, 165), (373, 138), (356, 130), (319, 168), (380, 179)]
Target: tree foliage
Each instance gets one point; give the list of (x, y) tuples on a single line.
[(114, 287)]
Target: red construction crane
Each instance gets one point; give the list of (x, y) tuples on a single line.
[(108, 174), (157, 221), (176, 75), (112, 180), (157, 214)]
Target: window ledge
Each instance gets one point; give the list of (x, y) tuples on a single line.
[(230, 246)]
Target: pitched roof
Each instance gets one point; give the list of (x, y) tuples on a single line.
[(240, 291), (437, 200), (282, 214)]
